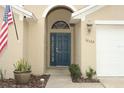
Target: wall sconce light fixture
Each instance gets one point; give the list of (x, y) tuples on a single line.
[(89, 27)]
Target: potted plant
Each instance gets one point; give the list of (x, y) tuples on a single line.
[(22, 71)]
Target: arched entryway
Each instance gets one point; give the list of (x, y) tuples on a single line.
[(59, 37)]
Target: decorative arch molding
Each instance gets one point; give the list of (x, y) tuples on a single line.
[(46, 11)]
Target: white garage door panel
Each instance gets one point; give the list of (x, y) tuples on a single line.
[(110, 51)]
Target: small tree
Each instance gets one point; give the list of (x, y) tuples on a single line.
[(75, 71)]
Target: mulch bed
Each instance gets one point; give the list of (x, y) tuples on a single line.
[(33, 83), (85, 80)]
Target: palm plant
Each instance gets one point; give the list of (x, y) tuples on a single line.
[(22, 66)]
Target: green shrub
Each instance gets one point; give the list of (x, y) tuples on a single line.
[(75, 71), (22, 66), (1, 74), (90, 73)]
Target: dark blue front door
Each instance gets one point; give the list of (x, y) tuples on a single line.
[(60, 49)]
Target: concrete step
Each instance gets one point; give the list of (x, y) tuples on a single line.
[(58, 71)]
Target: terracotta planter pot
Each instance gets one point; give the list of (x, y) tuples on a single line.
[(22, 77)]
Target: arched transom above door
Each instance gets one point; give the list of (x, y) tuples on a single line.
[(60, 25)]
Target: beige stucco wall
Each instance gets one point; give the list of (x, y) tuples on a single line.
[(32, 39), (77, 43), (31, 44), (85, 43), (37, 10), (13, 51), (108, 12), (88, 49), (25, 39), (36, 40), (1, 14), (37, 37), (36, 46)]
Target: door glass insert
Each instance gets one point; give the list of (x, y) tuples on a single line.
[(60, 25)]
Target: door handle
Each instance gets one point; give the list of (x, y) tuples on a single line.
[(57, 51)]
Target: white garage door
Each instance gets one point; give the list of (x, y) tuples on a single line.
[(110, 50)]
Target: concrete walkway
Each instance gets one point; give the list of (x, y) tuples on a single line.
[(113, 82), (60, 78), (64, 81)]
